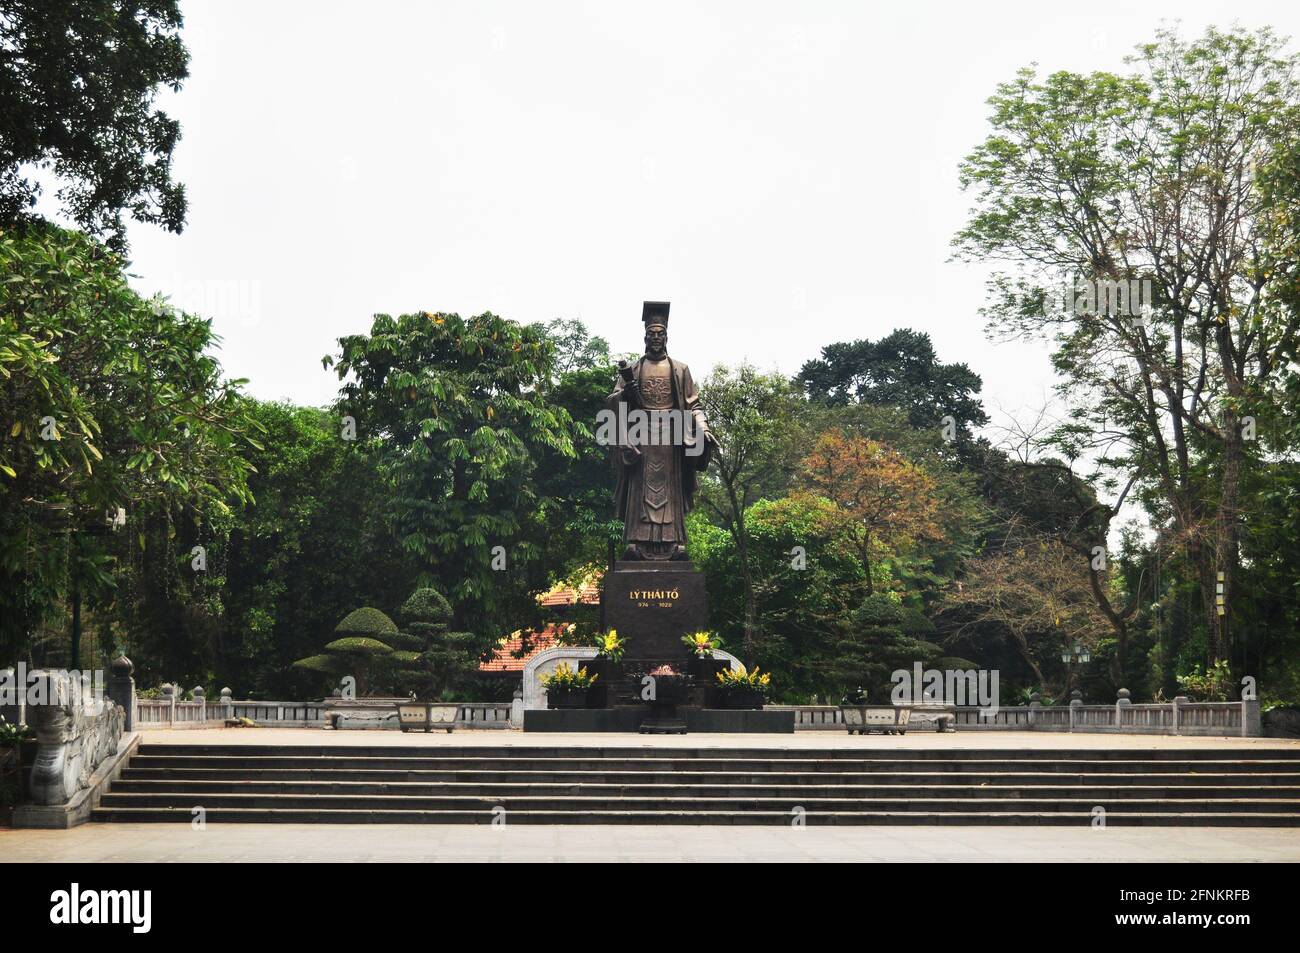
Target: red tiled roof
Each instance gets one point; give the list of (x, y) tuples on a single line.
[(505, 657), (589, 594)]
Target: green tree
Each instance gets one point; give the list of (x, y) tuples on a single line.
[(1176, 174), (883, 636), (111, 405), (457, 413), (575, 490), (314, 544), (77, 87), (754, 418), (900, 370), (804, 596), (576, 348)]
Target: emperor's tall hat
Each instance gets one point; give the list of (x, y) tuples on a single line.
[(654, 312)]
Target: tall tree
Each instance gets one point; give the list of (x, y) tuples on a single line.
[(77, 86), (804, 597), (575, 489), (754, 417), (900, 370), (1030, 588), (884, 503), (110, 402), (313, 545), (457, 414), (1167, 175)]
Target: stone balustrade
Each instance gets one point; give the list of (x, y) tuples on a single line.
[(169, 712), (76, 731), (1179, 717)]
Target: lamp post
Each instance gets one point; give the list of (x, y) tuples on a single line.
[(1078, 655), (1071, 657)]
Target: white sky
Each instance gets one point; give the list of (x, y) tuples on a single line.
[(785, 174)]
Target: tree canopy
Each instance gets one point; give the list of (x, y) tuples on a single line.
[(78, 84)]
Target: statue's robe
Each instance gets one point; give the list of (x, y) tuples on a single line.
[(657, 478)]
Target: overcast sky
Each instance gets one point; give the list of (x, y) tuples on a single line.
[(784, 173)]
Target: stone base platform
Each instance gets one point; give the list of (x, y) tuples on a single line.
[(704, 720)]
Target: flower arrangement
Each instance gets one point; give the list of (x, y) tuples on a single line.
[(743, 679), (566, 678), (610, 646), (11, 734), (702, 643)]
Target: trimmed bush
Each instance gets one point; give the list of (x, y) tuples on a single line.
[(366, 622), (426, 606), (358, 645), (324, 664)]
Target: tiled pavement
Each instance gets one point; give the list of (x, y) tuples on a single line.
[(245, 843)]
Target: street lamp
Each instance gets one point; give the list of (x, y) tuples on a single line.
[(1080, 653)]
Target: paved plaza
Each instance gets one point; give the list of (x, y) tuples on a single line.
[(255, 843), (243, 843)]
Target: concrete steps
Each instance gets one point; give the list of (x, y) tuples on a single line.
[(657, 785)]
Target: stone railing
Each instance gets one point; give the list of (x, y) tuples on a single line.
[(168, 711), (1178, 717), (812, 717), (485, 715)]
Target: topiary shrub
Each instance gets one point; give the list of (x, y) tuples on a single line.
[(448, 660), (363, 650), (425, 607), (359, 645), (366, 622), (324, 664), (882, 637)]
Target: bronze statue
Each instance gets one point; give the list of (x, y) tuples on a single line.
[(665, 443)]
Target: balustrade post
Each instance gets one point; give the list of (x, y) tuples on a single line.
[(169, 695), (1076, 702), (1178, 702), (227, 704), (1252, 725), (200, 696), (1121, 702), (121, 689)]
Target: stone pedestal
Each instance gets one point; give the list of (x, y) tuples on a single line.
[(698, 720), (653, 604), (121, 688)]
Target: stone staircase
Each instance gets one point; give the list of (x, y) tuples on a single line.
[(679, 785)]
